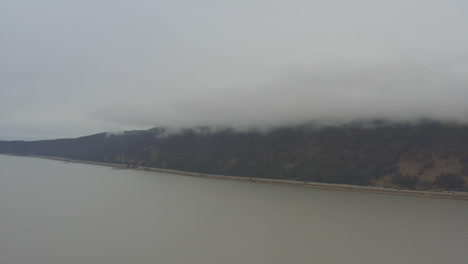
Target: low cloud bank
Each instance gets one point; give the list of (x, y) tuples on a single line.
[(401, 91)]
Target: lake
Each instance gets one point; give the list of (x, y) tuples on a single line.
[(53, 212)]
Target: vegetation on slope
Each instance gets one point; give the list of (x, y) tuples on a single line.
[(427, 155)]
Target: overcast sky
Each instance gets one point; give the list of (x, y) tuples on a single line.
[(70, 68)]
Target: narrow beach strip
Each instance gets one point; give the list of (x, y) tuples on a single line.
[(314, 185)]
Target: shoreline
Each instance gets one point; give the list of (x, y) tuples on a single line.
[(313, 185)]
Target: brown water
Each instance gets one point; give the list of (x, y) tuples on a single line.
[(54, 213)]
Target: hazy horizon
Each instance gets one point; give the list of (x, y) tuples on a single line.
[(70, 69)]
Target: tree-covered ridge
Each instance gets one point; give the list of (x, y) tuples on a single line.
[(427, 155)]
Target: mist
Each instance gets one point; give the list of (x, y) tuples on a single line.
[(324, 93), (70, 69)]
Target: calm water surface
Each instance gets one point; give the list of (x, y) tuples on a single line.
[(54, 213)]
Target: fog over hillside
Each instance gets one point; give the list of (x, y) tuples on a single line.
[(75, 68), (326, 93)]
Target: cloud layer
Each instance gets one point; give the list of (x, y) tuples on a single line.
[(402, 91), (73, 68)]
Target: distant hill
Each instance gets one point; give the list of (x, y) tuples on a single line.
[(423, 156)]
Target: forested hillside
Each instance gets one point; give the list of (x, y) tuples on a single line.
[(426, 155)]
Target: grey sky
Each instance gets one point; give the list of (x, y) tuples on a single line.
[(69, 68)]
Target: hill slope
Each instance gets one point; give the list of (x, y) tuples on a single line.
[(427, 155)]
